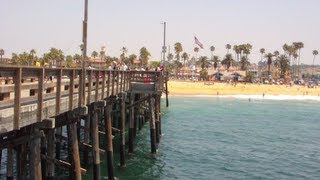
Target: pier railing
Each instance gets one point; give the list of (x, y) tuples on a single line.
[(32, 94)]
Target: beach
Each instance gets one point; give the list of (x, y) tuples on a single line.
[(220, 88)]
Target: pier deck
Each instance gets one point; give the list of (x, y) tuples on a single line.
[(35, 103)]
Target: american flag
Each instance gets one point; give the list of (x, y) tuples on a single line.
[(198, 42)]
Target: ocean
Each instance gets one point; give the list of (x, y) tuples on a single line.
[(230, 138)]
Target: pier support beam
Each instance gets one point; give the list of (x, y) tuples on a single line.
[(21, 161), (95, 140), (152, 126), (157, 122), (73, 149), (50, 154), (131, 123), (109, 148), (122, 129), (35, 155), (10, 163)]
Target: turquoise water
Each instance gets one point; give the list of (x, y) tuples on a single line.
[(227, 138)]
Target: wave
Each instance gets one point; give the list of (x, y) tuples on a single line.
[(258, 97)]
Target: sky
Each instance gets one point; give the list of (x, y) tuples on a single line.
[(42, 24)]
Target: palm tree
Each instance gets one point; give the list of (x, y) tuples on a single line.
[(69, 60), (124, 51), (185, 57), (170, 57), (102, 56), (227, 61), (131, 58), (77, 58), (144, 56), (1, 54), (244, 63), (298, 46), (212, 48), (237, 50), (269, 57), (262, 51), (247, 49), (284, 65), (196, 50), (314, 52), (94, 54), (178, 49), (204, 64), (215, 62), (228, 47), (32, 53), (276, 53)]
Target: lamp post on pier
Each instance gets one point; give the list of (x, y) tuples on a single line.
[(164, 48)]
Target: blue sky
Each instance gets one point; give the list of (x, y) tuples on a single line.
[(41, 24)]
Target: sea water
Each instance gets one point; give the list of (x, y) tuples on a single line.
[(229, 138)]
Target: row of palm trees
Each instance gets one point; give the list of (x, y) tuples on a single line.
[(291, 57), (56, 57)]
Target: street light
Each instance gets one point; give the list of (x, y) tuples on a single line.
[(164, 48)]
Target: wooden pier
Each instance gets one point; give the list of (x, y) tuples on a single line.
[(38, 104)]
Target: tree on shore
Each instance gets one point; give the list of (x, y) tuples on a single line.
[(215, 61), (131, 59), (244, 63), (69, 61), (237, 51), (144, 56), (315, 53), (170, 57), (284, 65), (227, 61), (32, 54), (185, 57), (262, 51), (1, 53), (298, 46), (269, 57), (124, 51), (178, 49), (228, 47), (54, 57), (78, 59), (196, 50), (94, 54), (212, 48), (204, 63)]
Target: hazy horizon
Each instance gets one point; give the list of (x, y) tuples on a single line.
[(41, 25)]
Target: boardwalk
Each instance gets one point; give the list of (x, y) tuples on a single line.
[(35, 103)]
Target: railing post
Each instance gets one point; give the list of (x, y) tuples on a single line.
[(17, 98)]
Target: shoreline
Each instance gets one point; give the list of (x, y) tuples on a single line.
[(242, 90), (255, 97)]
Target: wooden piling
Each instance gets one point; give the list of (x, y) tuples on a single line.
[(50, 154), (167, 92), (122, 129), (157, 118), (10, 163), (35, 155), (58, 100), (73, 149), (109, 148), (21, 161), (152, 126), (43, 151), (95, 142), (131, 123)]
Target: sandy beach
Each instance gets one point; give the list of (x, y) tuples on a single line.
[(217, 88)]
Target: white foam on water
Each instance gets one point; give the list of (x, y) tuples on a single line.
[(259, 97)]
